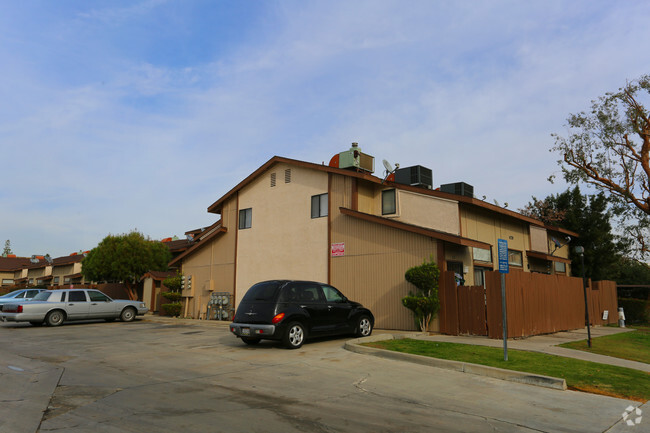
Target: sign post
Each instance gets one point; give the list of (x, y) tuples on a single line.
[(504, 268)]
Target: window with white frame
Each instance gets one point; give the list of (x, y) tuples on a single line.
[(246, 218), (482, 254), (319, 205)]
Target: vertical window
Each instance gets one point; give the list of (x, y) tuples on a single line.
[(560, 268), (388, 202), (246, 218), (515, 258), (319, 205)]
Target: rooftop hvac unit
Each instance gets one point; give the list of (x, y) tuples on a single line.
[(354, 159), (416, 176), (458, 188)]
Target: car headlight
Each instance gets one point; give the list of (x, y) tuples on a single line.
[(142, 305)]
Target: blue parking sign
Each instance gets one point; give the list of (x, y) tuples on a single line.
[(503, 256)]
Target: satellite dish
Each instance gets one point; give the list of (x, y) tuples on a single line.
[(388, 166)]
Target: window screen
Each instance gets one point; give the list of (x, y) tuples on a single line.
[(388, 202)]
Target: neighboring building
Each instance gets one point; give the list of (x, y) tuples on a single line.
[(9, 265), (341, 225)]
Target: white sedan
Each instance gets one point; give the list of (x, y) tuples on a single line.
[(54, 307)]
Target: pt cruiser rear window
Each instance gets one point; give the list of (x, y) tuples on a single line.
[(262, 292)]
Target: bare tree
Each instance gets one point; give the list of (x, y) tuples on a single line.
[(610, 149)]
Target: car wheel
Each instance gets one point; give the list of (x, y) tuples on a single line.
[(36, 323), (294, 335), (364, 326), (128, 315), (55, 318), (250, 341)]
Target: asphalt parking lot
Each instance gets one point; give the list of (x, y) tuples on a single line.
[(162, 376)]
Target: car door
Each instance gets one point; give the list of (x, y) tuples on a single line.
[(77, 305), (310, 299), (338, 309), (101, 306)]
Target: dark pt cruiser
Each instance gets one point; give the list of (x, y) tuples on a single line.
[(292, 311)]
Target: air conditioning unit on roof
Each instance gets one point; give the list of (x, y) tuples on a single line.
[(415, 176)]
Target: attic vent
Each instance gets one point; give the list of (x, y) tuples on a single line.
[(272, 180), (287, 175)]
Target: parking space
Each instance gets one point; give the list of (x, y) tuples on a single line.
[(190, 376)]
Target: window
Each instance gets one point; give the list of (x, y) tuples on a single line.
[(560, 268), (246, 218), (272, 180), (479, 275), (287, 175), (482, 255), (56, 281), (76, 296), (7, 281), (388, 202), (333, 295), (515, 258), (319, 205), (98, 296)]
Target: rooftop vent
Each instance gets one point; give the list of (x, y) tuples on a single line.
[(458, 188), (415, 176), (354, 159)]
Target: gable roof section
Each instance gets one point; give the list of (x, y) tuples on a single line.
[(210, 233), (436, 234), (216, 207), (10, 264)]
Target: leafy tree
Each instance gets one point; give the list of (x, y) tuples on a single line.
[(590, 217), (424, 303), (125, 258), (631, 271), (609, 148), (7, 249)]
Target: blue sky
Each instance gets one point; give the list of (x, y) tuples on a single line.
[(123, 115)]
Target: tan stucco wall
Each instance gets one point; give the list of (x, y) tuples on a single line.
[(284, 241), (426, 211), (147, 289), (538, 239)]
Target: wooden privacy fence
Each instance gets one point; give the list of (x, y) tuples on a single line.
[(535, 303)]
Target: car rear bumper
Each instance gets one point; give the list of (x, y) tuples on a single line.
[(253, 330)]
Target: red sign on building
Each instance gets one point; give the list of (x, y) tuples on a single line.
[(338, 249)]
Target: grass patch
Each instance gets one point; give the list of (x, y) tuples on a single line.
[(579, 375), (634, 346)]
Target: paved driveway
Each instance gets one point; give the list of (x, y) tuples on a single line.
[(150, 376)]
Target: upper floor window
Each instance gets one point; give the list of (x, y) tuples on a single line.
[(388, 202), (319, 205), (246, 218), (515, 258), (560, 268), (482, 255)]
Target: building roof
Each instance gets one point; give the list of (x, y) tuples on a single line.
[(216, 207), (10, 264)]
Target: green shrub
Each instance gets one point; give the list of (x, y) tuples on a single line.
[(172, 296), (636, 310), (172, 309), (424, 303), (173, 283)]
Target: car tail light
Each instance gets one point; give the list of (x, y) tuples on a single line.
[(278, 318), (13, 308)]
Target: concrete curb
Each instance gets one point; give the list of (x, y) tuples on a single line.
[(463, 367)]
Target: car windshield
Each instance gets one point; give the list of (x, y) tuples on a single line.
[(262, 292), (11, 294), (43, 296)]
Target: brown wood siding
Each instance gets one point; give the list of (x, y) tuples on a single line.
[(376, 258)]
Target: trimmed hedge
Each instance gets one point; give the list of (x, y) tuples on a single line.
[(636, 310)]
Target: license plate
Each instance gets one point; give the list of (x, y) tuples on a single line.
[(245, 331)]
